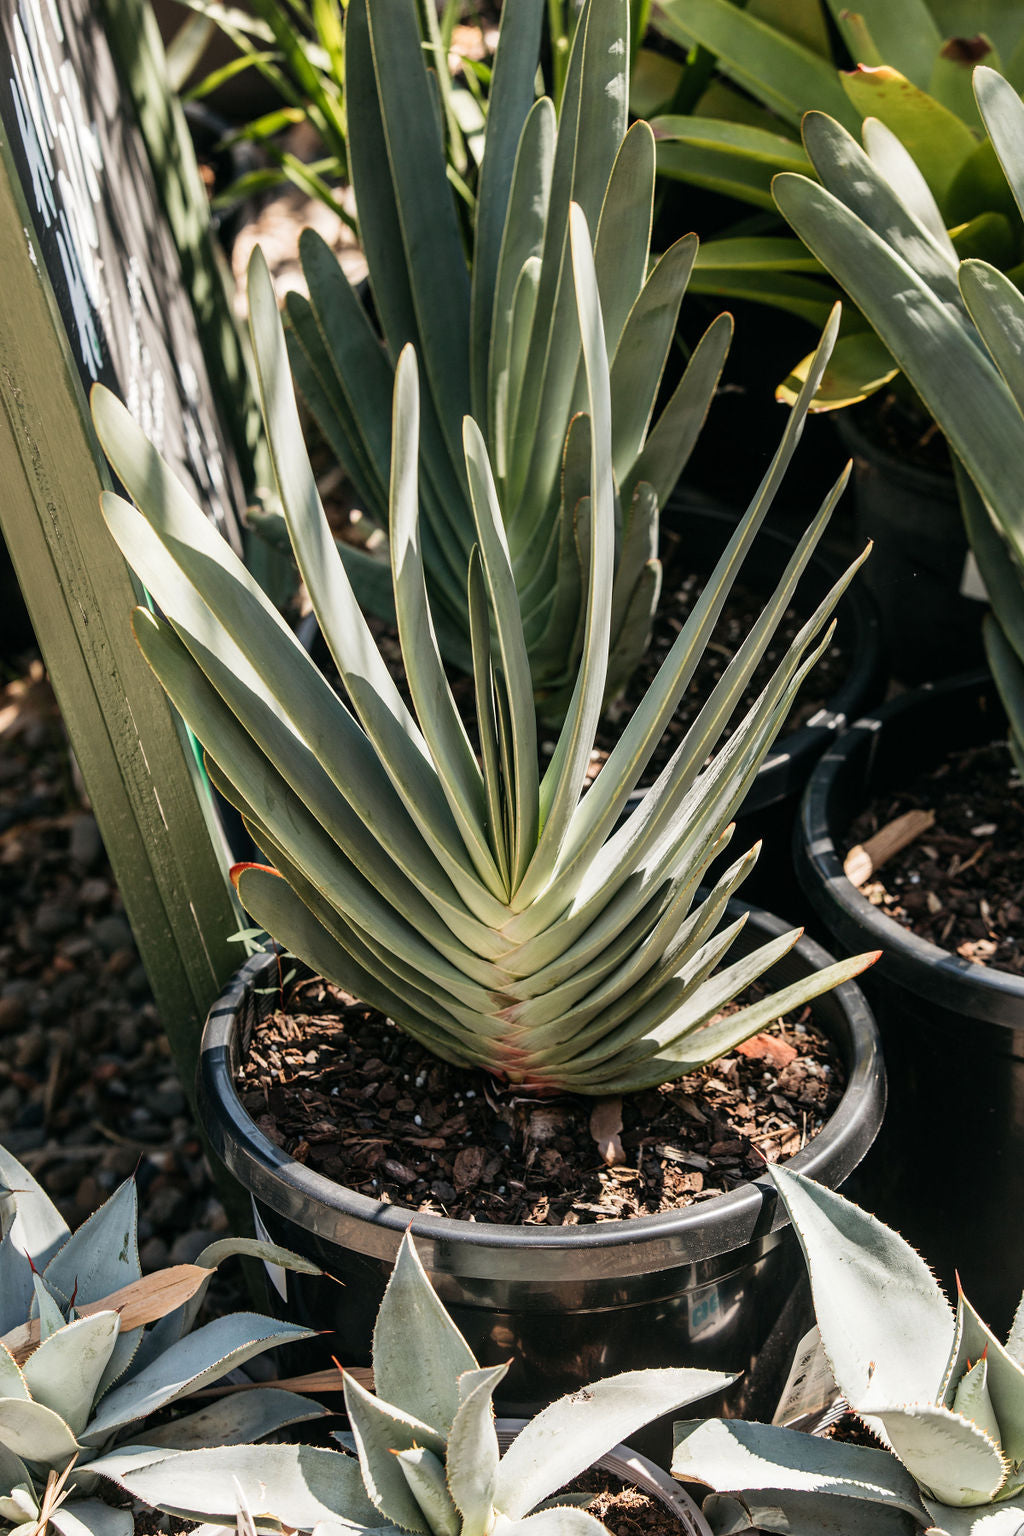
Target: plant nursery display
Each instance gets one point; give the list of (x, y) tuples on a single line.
[(497, 336), (426, 1448), (912, 70), (934, 1386), (81, 1369)]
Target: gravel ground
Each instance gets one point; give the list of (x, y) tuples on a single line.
[(88, 1092)]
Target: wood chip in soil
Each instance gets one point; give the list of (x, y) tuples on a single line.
[(960, 884), (343, 1091)]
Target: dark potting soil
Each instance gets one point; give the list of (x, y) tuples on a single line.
[(346, 1093), (904, 430), (623, 1509), (961, 883)]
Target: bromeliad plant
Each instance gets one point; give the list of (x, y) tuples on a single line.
[(956, 329), (81, 1368), (497, 337), (428, 1459), (495, 914), (767, 65), (936, 1387)]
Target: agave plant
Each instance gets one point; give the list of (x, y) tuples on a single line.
[(913, 61), (498, 338), (955, 328), (934, 1386), (426, 1444), (495, 914), (80, 1370)]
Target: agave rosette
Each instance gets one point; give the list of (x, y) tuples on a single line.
[(497, 914), (934, 1385), (77, 1382), (426, 1449)]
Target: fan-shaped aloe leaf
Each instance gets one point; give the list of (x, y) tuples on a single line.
[(204, 1356), (886, 1326), (570, 1435), (1003, 113), (418, 1353), (804, 1514), (734, 1455), (298, 1485)]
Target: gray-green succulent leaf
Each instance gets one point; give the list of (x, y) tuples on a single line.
[(954, 327), (413, 1475), (498, 336), (72, 1408), (492, 910), (936, 1387)]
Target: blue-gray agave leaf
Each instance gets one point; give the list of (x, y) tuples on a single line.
[(938, 1389)]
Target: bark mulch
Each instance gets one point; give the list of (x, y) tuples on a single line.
[(345, 1092), (961, 883)]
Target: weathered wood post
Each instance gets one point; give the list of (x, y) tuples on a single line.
[(90, 288)]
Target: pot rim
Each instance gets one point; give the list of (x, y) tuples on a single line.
[(962, 985), (632, 1467), (636, 1245)]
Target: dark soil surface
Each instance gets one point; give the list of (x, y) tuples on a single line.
[(905, 430), (961, 884), (88, 1090), (346, 1093), (626, 1511)]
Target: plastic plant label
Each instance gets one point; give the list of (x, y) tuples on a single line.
[(276, 1275), (810, 1386)]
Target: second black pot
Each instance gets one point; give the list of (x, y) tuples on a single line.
[(948, 1168), (912, 515), (715, 1284)]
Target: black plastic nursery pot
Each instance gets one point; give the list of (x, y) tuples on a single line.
[(929, 628), (714, 1285), (948, 1168), (770, 809)]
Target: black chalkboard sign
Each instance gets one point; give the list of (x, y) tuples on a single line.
[(104, 239)]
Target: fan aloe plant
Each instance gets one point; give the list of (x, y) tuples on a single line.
[(80, 1370), (955, 328), (766, 65), (497, 336), (496, 914), (935, 1386), (426, 1444)]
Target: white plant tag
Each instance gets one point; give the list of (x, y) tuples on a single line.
[(971, 584), (277, 1276), (810, 1386)]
